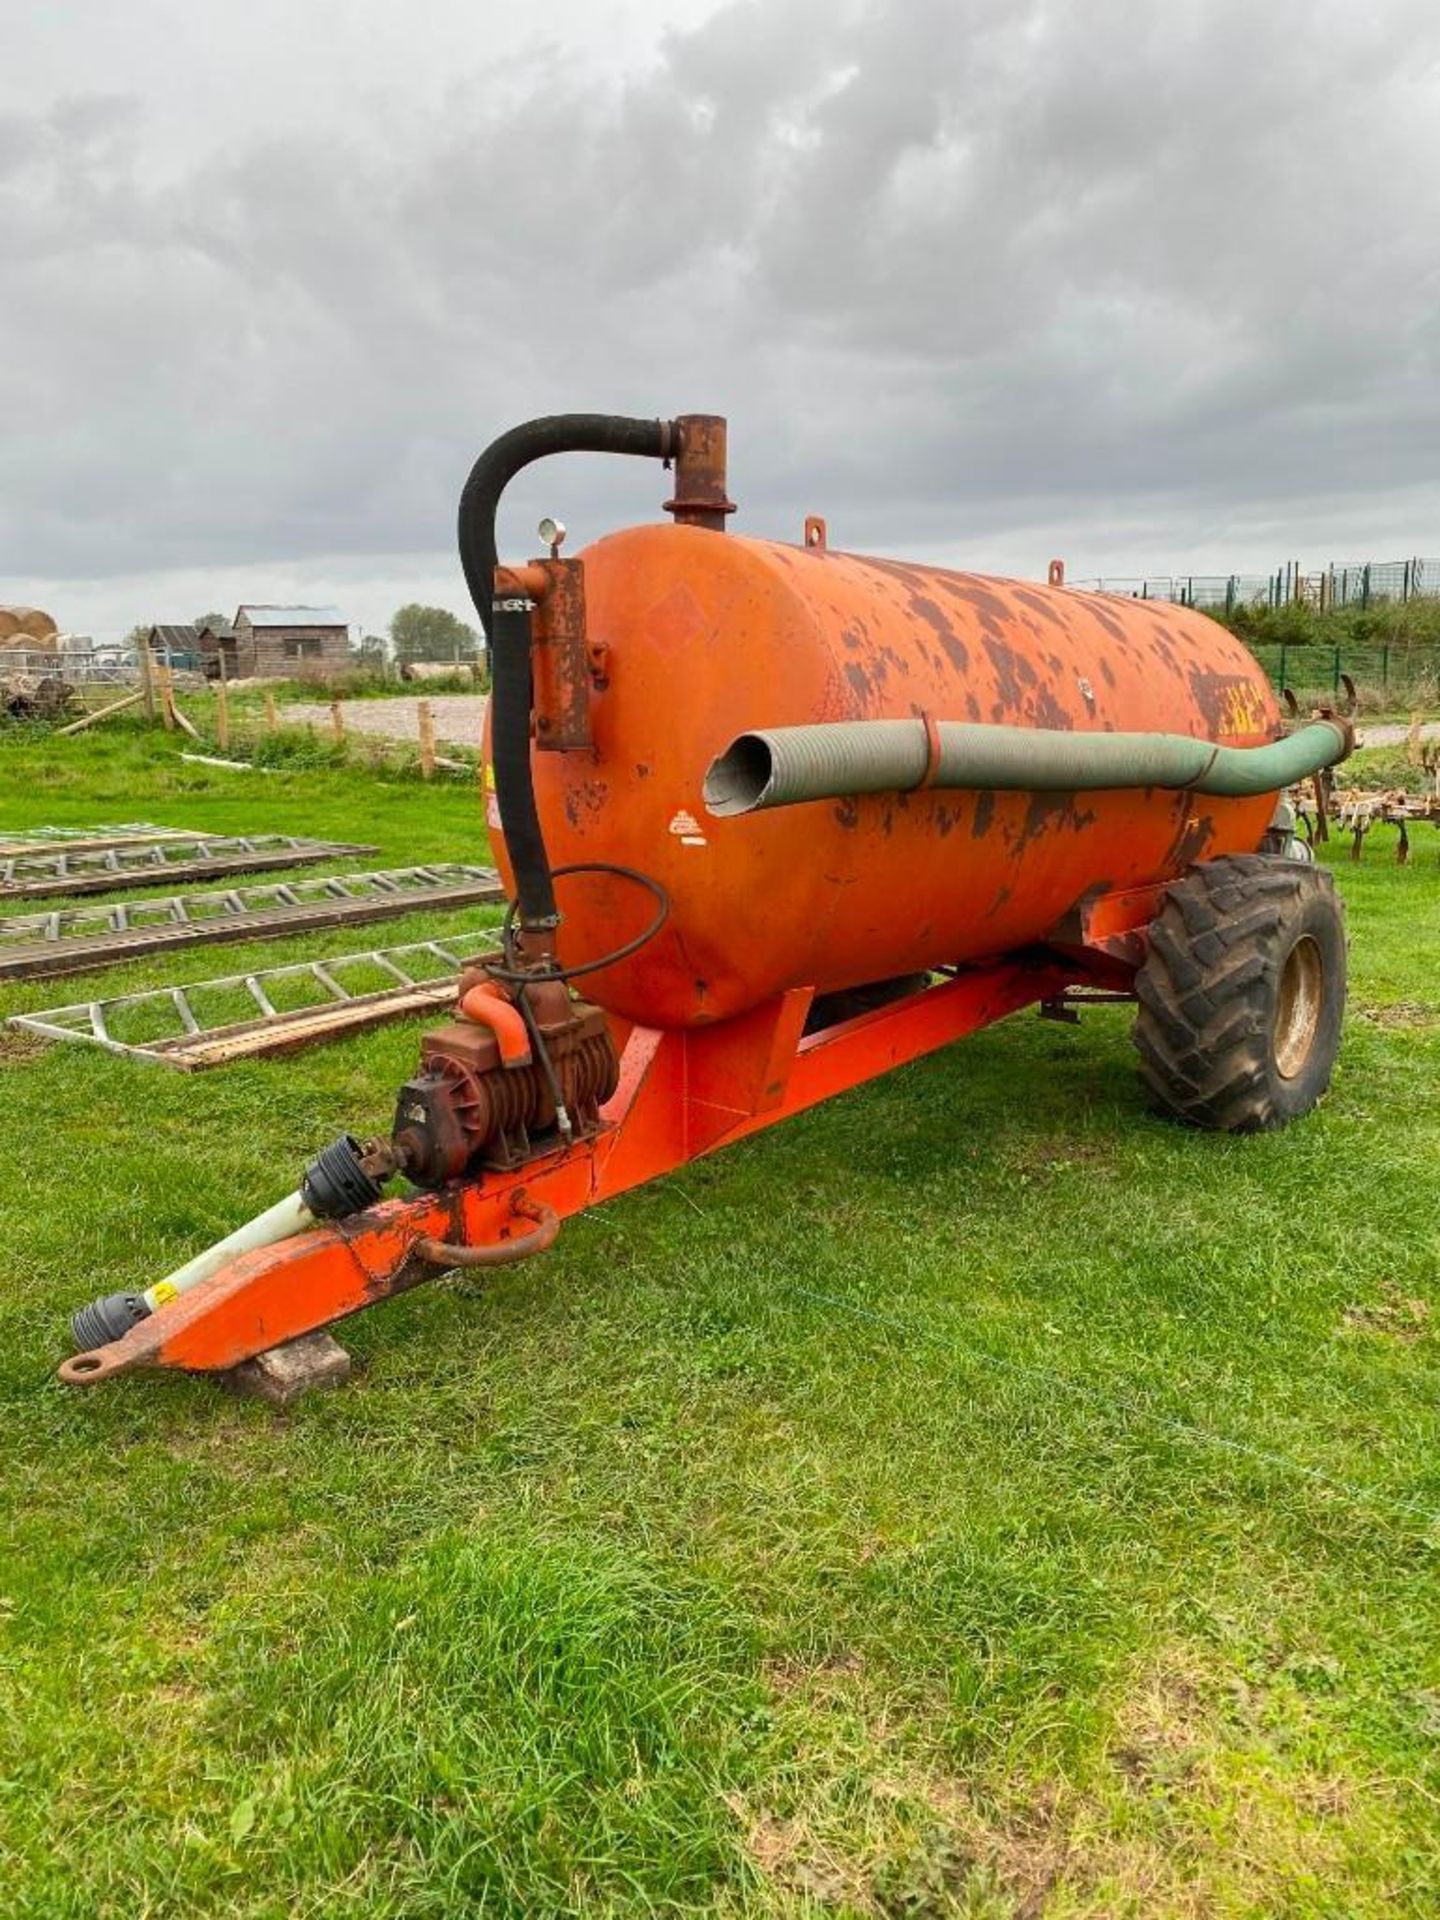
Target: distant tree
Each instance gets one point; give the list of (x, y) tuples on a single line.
[(213, 620), (431, 633), (372, 651)]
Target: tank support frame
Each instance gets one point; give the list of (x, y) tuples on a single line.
[(682, 1093)]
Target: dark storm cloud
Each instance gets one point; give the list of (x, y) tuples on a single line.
[(948, 267)]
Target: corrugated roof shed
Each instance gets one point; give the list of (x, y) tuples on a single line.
[(181, 634), (291, 616)]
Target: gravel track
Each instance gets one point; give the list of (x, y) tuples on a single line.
[(458, 717)]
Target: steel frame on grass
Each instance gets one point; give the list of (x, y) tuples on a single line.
[(341, 1010), (78, 839), (42, 946), (93, 869)]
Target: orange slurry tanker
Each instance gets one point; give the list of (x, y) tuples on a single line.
[(773, 820)]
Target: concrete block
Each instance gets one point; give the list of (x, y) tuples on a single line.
[(305, 1365)]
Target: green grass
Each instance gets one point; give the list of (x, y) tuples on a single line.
[(975, 1497)]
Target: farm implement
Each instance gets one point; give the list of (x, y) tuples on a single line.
[(772, 820)]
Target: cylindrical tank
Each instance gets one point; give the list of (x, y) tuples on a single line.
[(708, 635)]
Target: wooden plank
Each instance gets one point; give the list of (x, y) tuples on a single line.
[(100, 713), (303, 1027)]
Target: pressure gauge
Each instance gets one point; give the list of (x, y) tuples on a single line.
[(552, 532)]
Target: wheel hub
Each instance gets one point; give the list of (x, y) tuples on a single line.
[(1297, 1005)]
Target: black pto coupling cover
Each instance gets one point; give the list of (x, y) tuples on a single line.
[(107, 1319), (336, 1183)]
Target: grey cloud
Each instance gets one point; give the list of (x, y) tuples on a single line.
[(952, 269)]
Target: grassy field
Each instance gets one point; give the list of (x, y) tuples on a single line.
[(977, 1497)]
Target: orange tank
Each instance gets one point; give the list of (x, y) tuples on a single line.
[(709, 634)]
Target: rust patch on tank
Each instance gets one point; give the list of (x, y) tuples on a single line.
[(587, 797), (1108, 621), (1196, 832), (1050, 713), (915, 577), (984, 814), (1217, 696), (859, 679), (1052, 811), (847, 812), (987, 604), (1013, 672), (955, 648), (1038, 604)]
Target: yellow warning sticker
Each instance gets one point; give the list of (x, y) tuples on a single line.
[(163, 1292)]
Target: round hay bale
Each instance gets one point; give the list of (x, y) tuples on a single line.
[(22, 625)]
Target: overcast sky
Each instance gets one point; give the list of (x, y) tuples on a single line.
[(1150, 286)]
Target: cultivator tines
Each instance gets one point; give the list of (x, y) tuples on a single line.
[(39, 946), (1355, 812), (180, 1027), (159, 862)]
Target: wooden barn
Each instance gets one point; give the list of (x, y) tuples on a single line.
[(312, 643)]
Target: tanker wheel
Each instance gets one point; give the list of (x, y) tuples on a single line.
[(1242, 993)]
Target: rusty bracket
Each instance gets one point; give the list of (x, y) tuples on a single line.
[(560, 659), (700, 499)]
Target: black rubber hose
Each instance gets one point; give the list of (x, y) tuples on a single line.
[(508, 628), (520, 447), (510, 756)]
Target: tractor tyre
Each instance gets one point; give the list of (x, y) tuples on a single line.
[(1242, 993)]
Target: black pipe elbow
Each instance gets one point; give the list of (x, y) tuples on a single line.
[(520, 448), (507, 625)]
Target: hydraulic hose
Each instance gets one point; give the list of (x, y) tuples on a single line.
[(785, 766), (507, 624)]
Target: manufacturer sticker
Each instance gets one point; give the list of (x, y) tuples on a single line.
[(686, 829)]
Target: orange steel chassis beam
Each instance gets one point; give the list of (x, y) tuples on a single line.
[(681, 1094)]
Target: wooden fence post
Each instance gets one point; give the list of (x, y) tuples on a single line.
[(147, 679), (427, 739), (337, 723), (222, 715), (167, 695), (268, 700)]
